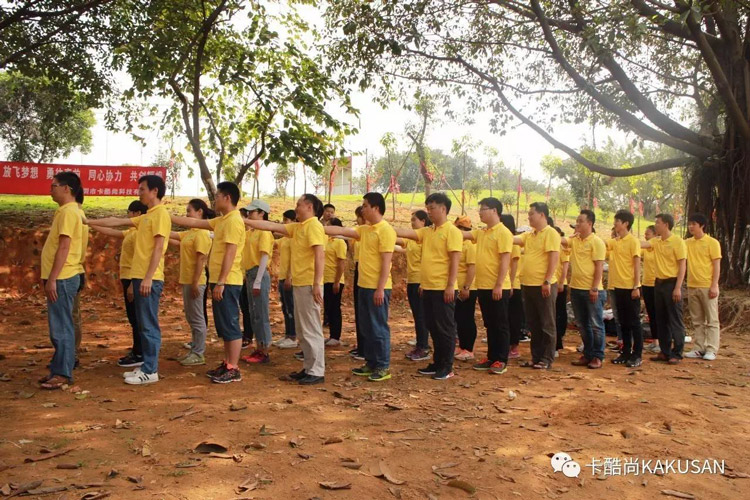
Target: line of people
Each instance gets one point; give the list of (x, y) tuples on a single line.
[(450, 267)]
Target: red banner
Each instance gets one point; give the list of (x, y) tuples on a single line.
[(35, 178)]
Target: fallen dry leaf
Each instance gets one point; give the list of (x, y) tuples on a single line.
[(462, 485), (210, 447), (332, 485), (46, 456), (678, 494), (333, 440)]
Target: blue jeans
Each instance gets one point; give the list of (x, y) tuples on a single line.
[(259, 307), (376, 334), (415, 302), (61, 330), (287, 309), (227, 312), (147, 310), (590, 319)]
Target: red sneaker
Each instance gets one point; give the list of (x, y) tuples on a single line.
[(256, 357)]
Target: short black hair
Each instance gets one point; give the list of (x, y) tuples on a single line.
[(316, 203), (625, 216), (651, 227), (493, 203), (376, 200), (137, 206), (154, 182), (590, 215), (509, 222), (439, 199), (290, 214), (358, 211), (540, 207), (335, 222), (666, 219), (699, 219), (329, 205), (422, 215), (230, 189), (71, 180), (79, 197)]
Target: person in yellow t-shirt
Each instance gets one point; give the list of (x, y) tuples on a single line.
[(703, 268), (61, 256), (516, 319), (587, 294), (466, 325), (625, 281), (670, 254), (258, 251), (561, 304), (442, 243), (647, 288), (147, 271), (377, 240), (195, 246), (333, 283), (286, 297), (354, 352), (134, 357), (308, 265), (413, 250)]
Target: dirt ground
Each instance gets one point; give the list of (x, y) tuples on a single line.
[(283, 440)]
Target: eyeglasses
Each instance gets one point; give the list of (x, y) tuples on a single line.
[(57, 185), (485, 209)]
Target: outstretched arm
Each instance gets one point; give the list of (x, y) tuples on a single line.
[(183, 221), (116, 233), (409, 234), (109, 222), (468, 235), (342, 231), (265, 225)]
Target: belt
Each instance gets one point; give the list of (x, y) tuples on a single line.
[(665, 280)]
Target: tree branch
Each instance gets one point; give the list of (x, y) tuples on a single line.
[(667, 25)]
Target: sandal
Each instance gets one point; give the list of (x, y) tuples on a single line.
[(540, 366), (527, 364), (44, 379), (54, 382)]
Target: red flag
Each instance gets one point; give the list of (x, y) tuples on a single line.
[(640, 207), (596, 203), (632, 205), (394, 187)]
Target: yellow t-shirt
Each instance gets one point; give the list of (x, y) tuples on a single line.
[(355, 250), (564, 257), (468, 257), (437, 244), (700, 256), (583, 255), (155, 222), (84, 243), (375, 239), (621, 262), (305, 236), (335, 250), (516, 254), (537, 244), (257, 242), (413, 261), (66, 222), (229, 229), (667, 253), (491, 243), (648, 260), (126, 252), (285, 256), (193, 242)]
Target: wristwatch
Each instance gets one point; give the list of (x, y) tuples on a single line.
[(546, 282), (220, 283)]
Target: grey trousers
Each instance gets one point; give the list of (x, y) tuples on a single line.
[(194, 316), (540, 319), (309, 330)]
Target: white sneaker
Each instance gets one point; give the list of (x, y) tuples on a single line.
[(557, 354), (287, 343), (688, 339), (695, 355), (484, 340), (654, 348), (333, 343), (709, 356), (412, 342), (143, 378), (133, 373), (465, 355), (187, 345)]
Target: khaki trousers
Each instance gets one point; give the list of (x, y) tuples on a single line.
[(309, 330), (704, 314)]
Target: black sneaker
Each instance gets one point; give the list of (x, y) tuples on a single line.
[(483, 366), (633, 362), (300, 355), (621, 359), (311, 380), (353, 352), (246, 343), (298, 375), (130, 360), (443, 375), (219, 370), (430, 369), (227, 376)]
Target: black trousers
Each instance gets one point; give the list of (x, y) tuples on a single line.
[(629, 313), (669, 319), (561, 315), (649, 298), (495, 317), (540, 317), (441, 323), (515, 316), (415, 303), (132, 319), (466, 325), (332, 306), (355, 291), (247, 324)]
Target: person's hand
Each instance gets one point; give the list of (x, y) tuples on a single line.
[(50, 290), (194, 291), (677, 294), (336, 288), (318, 294), (497, 293), (449, 295), (636, 293), (463, 294), (145, 289), (130, 294), (256, 290), (713, 292), (593, 296), (511, 292), (288, 284), (379, 297), (420, 290), (218, 293), (546, 291), (560, 287)]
